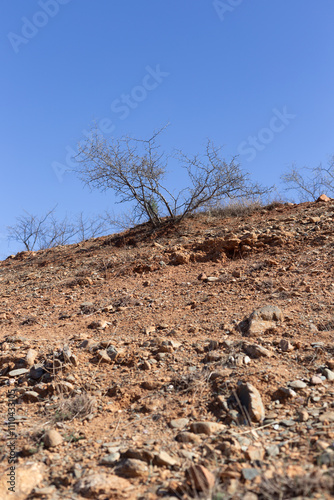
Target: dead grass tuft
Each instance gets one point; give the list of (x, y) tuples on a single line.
[(283, 487), (79, 406)]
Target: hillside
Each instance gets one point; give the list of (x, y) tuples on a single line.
[(196, 361)]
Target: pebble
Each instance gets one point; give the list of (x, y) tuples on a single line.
[(132, 467), (328, 374), (52, 438), (30, 357), (250, 398), (18, 372), (110, 459), (315, 380), (201, 478), (205, 427), (297, 384), (179, 423), (163, 459), (250, 473)]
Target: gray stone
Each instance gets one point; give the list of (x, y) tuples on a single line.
[(36, 371), (297, 384), (18, 372), (249, 473), (110, 459), (328, 374)]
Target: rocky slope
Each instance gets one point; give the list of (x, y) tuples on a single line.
[(193, 362)]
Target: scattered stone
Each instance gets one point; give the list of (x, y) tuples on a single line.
[(327, 417), (328, 374), (249, 473), (324, 198), (103, 356), (206, 427), (18, 372), (179, 423), (96, 485), (187, 437), (250, 398), (315, 380), (257, 351), (98, 325), (131, 467), (52, 438), (284, 393), (37, 371), (297, 385), (30, 357), (286, 345), (30, 397), (303, 416), (201, 478), (27, 477), (110, 459), (255, 453), (162, 459)]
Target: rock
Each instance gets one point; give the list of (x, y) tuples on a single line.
[(98, 325), (267, 313), (201, 478), (27, 477), (284, 393), (18, 372), (327, 417), (163, 459), (110, 459), (187, 437), (315, 380), (249, 473), (30, 397), (255, 453), (205, 427), (257, 351), (250, 398), (36, 371), (323, 198), (179, 423), (95, 485), (286, 345), (303, 416), (103, 356), (139, 454), (30, 357), (131, 467), (52, 438), (330, 364), (297, 384), (328, 374)]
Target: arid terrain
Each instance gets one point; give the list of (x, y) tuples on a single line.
[(195, 361)]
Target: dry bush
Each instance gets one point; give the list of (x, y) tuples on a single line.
[(79, 406)]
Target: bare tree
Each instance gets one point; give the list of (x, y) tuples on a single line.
[(135, 170), (47, 231), (310, 182)]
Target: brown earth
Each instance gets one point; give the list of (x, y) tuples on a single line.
[(141, 355)]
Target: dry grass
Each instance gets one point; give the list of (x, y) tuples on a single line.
[(79, 406), (283, 487)]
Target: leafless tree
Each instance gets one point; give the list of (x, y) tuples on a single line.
[(47, 231), (135, 170), (310, 182)]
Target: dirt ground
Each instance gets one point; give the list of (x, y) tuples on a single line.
[(194, 361)]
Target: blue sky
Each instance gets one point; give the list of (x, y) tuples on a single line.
[(256, 77)]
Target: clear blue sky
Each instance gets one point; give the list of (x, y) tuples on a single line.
[(232, 71)]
